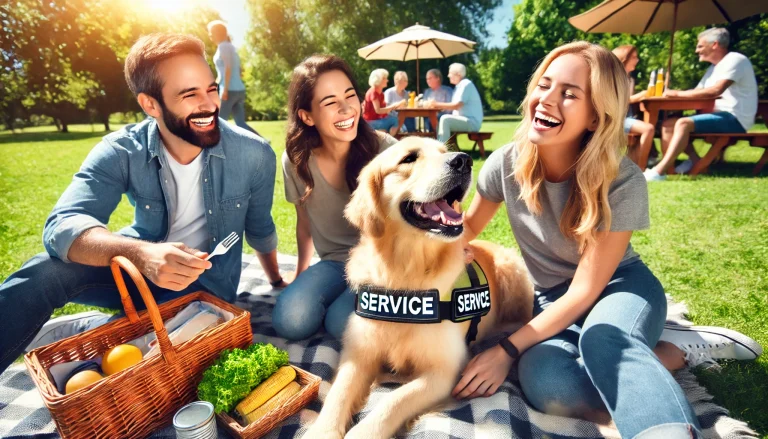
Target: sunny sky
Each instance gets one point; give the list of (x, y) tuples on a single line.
[(232, 11)]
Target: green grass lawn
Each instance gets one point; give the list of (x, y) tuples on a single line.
[(707, 242)]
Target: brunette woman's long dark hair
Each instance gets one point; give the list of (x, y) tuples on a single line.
[(302, 138)]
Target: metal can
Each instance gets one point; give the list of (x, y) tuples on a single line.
[(195, 421)]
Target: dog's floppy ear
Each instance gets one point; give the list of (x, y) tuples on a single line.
[(364, 208)]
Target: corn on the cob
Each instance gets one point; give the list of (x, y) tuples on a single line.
[(274, 402), (266, 390)]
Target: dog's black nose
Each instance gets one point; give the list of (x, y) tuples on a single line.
[(461, 162)]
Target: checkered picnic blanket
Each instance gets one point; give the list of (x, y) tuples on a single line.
[(503, 415)]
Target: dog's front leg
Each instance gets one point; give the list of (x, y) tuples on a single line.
[(349, 389), (404, 403)]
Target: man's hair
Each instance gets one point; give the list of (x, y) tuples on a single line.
[(459, 69), (401, 75), (436, 73), (147, 54), (717, 35), (377, 76)]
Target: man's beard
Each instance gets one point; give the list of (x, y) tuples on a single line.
[(182, 127)]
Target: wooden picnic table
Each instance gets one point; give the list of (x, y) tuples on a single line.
[(651, 106), (430, 113)]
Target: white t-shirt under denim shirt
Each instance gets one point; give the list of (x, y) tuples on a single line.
[(550, 257), (188, 223), (740, 99)]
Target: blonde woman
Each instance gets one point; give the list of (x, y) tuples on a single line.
[(627, 54), (573, 202)]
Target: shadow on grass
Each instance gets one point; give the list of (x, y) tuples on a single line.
[(734, 170), (742, 386), (49, 136)]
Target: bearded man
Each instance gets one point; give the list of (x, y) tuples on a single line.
[(192, 179)]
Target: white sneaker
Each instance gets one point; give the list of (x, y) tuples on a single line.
[(651, 175), (705, 344), (66, 326), (685, 167)]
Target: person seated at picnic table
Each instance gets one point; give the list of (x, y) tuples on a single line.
[(731, 79), (375, 109), (436, 92), (466, 107), (593, 346), (192, 180), (399, 93), (327, 144), (627, 54)]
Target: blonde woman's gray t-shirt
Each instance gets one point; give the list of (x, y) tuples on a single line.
[(332, 234), (550, 257)]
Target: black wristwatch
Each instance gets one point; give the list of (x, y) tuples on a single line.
[(509, 348), (276, 283)]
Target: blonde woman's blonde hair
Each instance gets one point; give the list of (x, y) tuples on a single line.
[(597, 166)]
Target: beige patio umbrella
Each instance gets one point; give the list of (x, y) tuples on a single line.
[(647, 16), (417, 42)]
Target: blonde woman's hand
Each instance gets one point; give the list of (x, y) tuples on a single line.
[(484, 374)]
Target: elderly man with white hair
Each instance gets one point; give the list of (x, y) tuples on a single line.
[(465, 104), (436, 92), (375, 110), (732, 78)]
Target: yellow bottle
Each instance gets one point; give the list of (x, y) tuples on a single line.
[(651, 85), (411, 99), (660, 83)]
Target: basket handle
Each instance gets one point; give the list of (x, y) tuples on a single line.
[(118, 262)]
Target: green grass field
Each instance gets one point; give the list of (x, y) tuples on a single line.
[(707, 241)]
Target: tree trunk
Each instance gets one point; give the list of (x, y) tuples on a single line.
[(64, 127)]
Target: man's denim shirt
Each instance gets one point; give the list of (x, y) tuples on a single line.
[(238, 187)]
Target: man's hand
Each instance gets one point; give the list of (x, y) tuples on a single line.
[(172, 266), (671, 93), (225, 95)]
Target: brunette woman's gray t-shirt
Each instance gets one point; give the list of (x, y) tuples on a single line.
[(550, 257), (332, 234)]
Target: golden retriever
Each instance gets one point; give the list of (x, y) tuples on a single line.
[(411, 241)]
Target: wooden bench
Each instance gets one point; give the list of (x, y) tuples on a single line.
[(721, 141), (477, 137)]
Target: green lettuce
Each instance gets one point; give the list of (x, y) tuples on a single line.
[(236, 372)]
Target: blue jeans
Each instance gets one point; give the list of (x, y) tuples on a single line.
[(319, 296), (719, 122), (605, 361), (384, 124), (29, 296), (235, 106)]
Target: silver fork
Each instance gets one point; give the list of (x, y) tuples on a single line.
[(224, 245)]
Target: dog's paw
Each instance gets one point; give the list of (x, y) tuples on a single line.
[(317, 431), (362, 431)]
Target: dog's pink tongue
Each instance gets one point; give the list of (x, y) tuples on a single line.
[(435, 208)]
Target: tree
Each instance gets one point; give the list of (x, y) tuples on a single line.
[(67, 56), (541, 25), (284, 32)]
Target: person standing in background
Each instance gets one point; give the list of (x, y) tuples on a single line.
[(228, 75)]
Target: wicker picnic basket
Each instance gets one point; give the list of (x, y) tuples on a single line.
[(136, 401)]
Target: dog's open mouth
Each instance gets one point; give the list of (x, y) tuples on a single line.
[(438, 216)]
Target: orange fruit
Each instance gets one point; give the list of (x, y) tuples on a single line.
[(119, 358), (82, 379)]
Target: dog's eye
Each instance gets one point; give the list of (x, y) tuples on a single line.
[(410, 158)]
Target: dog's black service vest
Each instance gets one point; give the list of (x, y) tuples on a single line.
[(470, 299)]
